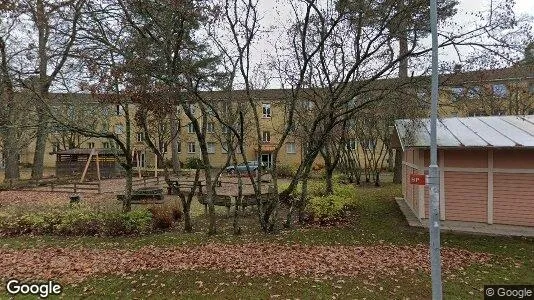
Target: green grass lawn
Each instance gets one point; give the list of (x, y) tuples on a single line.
[(375, 219)]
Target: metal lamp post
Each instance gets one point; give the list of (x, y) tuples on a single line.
[(433, 178)]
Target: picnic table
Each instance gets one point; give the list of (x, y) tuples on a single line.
[(227, 199), (146, 195), (183, 186)]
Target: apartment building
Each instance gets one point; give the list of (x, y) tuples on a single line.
[(488, 92)]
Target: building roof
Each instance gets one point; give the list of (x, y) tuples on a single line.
[(471, 132)]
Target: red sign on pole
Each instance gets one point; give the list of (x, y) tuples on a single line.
[(418, 179)]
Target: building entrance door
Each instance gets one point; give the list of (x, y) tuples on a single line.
[(266, 160)]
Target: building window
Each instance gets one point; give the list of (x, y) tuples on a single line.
[(225, 129), (179, 147), (308, 104), (210, 111), (192, 108), (119, 110), (210, 127), (119, 129), (266, 136), (210, 147), (266, 110), (456, 93), (55, 147), (351, 144), (291, 148), (500, 90), (192, 147), (105, 145), (474, 92), (140, 136), (190, 128), (368, 144), (90, 145)]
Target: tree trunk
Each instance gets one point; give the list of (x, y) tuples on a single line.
[(403, 73), (127, 204), (40, 145), (239, 199), (210, 188), (11, 156), (298, 203), (175, 150), (303, 199), (188, 227), (329, 190), (377, 179), (397, 172)]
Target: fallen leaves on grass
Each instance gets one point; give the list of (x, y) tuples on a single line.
[(253, 259)]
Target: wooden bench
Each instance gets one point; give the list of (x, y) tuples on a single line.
[(183, 186), (251, 200), (218, 200), (145, 196)]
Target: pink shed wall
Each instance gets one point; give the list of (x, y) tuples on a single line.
[(513, 159), (411, 190), (466, 158), (466, 191), (513, 199), (466, 196)]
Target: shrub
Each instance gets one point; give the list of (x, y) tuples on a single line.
[(77, 220), (193, 163), (329, 208), (318, 166), (176, 213), (162, 217), (286, 171)]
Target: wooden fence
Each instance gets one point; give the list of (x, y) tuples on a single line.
[(55, 185), (76, 187), (144, 182)]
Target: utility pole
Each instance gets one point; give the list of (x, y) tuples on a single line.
[(433, 178)]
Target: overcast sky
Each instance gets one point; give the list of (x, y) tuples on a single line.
[(276, 14)]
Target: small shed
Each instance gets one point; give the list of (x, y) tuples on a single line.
[(486, 168), (72, 162)]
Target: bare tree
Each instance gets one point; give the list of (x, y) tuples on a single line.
[(53, 35), (355, 56)]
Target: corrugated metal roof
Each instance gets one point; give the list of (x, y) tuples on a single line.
[(494, 131)]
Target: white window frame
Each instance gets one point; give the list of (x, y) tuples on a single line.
[(90, 145), (119, 110), (210, 147), (309, 105), (119, 129), (264, 135), (140, 137), (266, 110), (106, 145), (291, 148), (192, 108), (210, 127), (193, 146), (352, 144)]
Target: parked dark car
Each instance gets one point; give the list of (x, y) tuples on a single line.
[(242, 167)]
